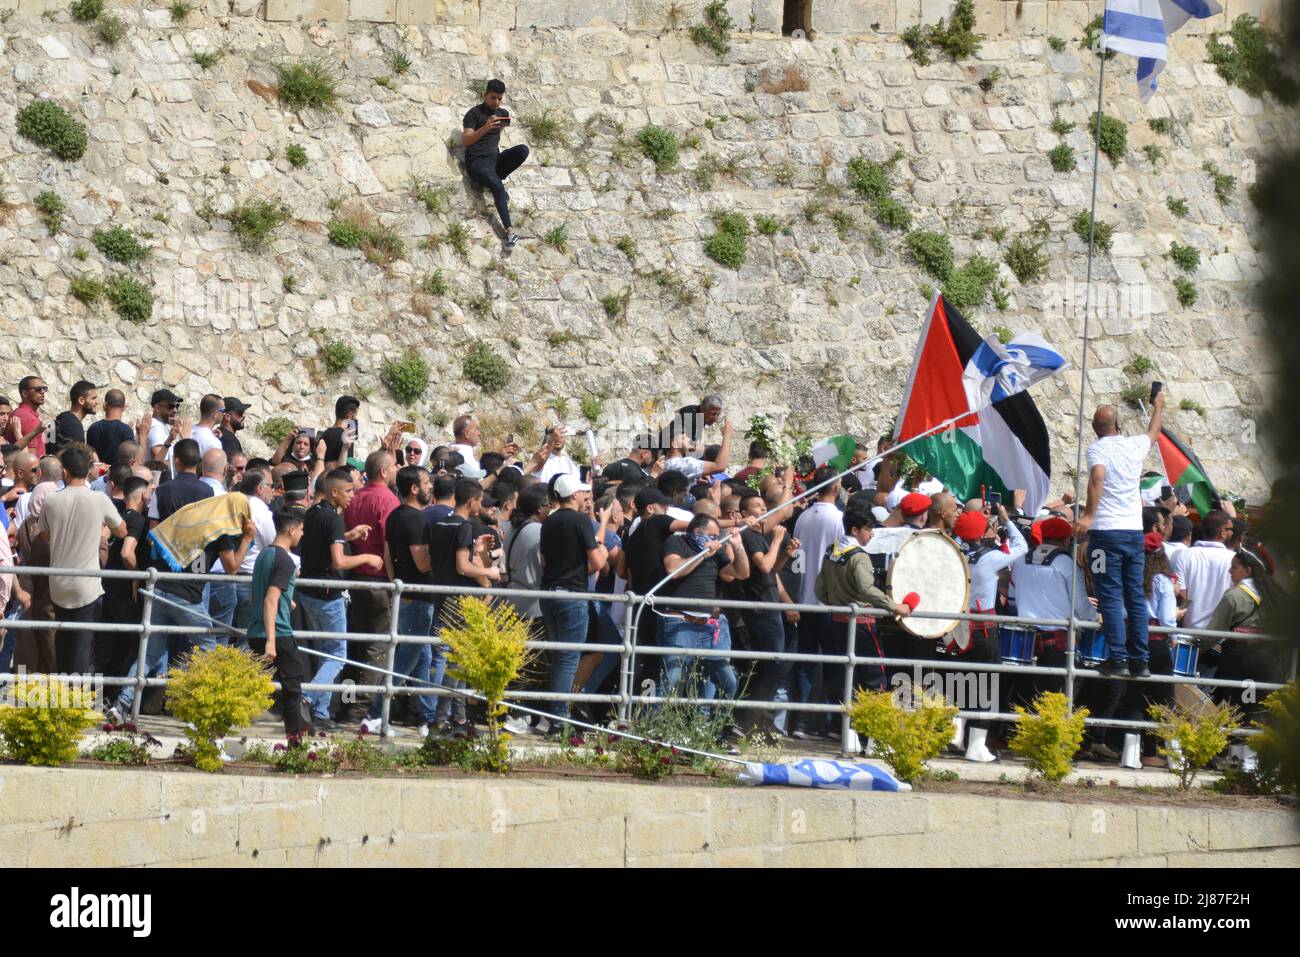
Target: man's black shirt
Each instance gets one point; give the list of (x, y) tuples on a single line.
[(405, 527), (106, 435), (490, 144), (322, 526), (184, 489)]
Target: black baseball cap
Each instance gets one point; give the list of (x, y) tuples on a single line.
[(234, 405), (650, 496), (164, 395)]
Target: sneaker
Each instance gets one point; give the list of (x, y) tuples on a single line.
[(375, 725), (324, 724), (462, 729), (512, 240), (1104, 753), (543, 726), (517, 726), (1113, 666), (422, 730), (1138, 669), (113, 715)]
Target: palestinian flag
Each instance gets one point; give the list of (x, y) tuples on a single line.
[(1182, 467), (836, 451), (989, 448)]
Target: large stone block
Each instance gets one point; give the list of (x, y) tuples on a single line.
[(289, 10), (1172, 830), (373, 11)]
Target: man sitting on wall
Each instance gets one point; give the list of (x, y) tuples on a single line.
[(485, 163)]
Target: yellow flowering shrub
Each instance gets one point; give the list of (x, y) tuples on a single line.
[(1197, 736), (43, 719), (1049, 737), (904, 739), (215, 691)]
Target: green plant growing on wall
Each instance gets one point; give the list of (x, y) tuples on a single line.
[(715, 32), (254, 220), (728, 245), (1224, 184), (1177, 206), (50, 206), (1082, 225), (407, 378), (1061, 127), (274, 430), (111, 30), (296, 155), (1057, 44), (545, 129), (307, 84), (206, 59), (969, 285), (215, 691), (1113, 136), (119, 244), (86, 289), (557, 238), (86, 11), (1251, 62), (1062, 158), (1027, 260), (1186, 291), (1185, 257), (627, 246), (1091, 39), (337, 356), (47, 124), (435, 284), (659, 146), (485, 368), (1161, 125), (932, 252), (1140, 365), (1191, 405), (130, 298), (180, 10), (955, 37)]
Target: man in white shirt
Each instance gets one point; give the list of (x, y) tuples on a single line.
[(257, 486), (211, 409), (468, 436), (1112, 520), (819, 527), (696, 468), (551, 459), (166, 426), (1202, 569)]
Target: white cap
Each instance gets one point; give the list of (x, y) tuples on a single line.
[(678, 514), (895, 497), (467, 470), (567, 485), (880, 512), (930, 487)]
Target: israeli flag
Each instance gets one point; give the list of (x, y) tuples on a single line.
[(1142, 28), (996, 371), (836, 775)]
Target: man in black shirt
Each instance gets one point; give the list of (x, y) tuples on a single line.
[(325, 556), (485, 163), (121, 600), (109, 432), (406, 544), (69, 426), (634, 467), (232, 421), (185, 488), (767, 553), (691, 420), (693, 577), (339, 437)]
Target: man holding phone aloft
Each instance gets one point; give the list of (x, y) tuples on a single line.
[(1112, 520), (485, 163)]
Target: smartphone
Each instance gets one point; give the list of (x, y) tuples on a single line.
[(1156, 388), (995, 499), (505, 120), (512, 439), (307, 431), (353, 430), (157, 477), (406, 426)]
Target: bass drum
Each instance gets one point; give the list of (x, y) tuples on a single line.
[(930, 564)]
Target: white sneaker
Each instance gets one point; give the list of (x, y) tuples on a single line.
[(543, 726), (422, 730), (517, 726), (375, 725), (113, 715)]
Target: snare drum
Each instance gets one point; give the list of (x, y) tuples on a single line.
[(1017, 646), (1090, 648), (1186, 655)]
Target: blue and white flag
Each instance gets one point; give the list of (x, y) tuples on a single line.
[(1142, 28), (835, 775), (996, 371)]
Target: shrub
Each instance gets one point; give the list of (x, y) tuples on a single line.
[(545, 130), (869, 180), (1154, 154), (893, 214), (457, 238), (274, 429), (486, 650), (1027, 260), (218, 690), (1133, 395), (783, 174), (1061, 127), (1140, 365), (1186, 291), (86, 11), (381, 246), (1057, 44), (627, 246), (485, 368), (337, 356), (1192, 738), (206, 59), (932, 251), (1004, 334), (254, 220), (969, 285), (435, 284), (1161, 125), (659, 145), (1187, 258), (956, 37), (1278, 743), (433, 197), (715, 32), (180, 10), (1251, 63), (119, 244), (728, 245), (766, 225), (86, 289), (112, 30), (399, 61), (296, 155), (903, 739), (1113, 136), (1191, 405), (1177, 206), (558, 238), (308, 84), (130, 298), (45, 721), (49, 125), (345, 234), (1091, 38), (50, 206), (1224, 184), (407, 378), (1063, 159), (1083, 227), (615, 303), (289, 283), (1049, 737)]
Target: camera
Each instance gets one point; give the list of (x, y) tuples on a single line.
[(1156, 388), (307, 431)]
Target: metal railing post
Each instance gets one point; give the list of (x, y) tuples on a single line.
[(386, 706), (625, 662), (146, 630), (851, 659)]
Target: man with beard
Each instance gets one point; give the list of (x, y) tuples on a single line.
[(232, 421)]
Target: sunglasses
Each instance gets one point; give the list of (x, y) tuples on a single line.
[(39, 388)]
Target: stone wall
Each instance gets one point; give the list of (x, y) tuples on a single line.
[(820, 323), (111, 818)]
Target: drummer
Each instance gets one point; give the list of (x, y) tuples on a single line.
[(1242, 609), (1042, 580), (986, 561)]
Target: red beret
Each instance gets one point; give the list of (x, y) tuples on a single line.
[(972, 525), (1054, 528), (914, 503)]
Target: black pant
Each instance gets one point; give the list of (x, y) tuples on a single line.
[(73, 647), (866, 644), (115, 651), (489, 172), (1140, 695), (289, 671), (370, 612), (766, 630)]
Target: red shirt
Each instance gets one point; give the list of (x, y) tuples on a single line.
[(370, 506), (28, 419)]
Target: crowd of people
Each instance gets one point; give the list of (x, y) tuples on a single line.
[(84, 493)]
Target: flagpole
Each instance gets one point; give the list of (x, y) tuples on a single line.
[(1083, 372)]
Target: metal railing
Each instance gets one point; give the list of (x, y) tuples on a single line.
[(624, 699)]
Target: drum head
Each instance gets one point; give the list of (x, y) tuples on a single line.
[(931, 564)]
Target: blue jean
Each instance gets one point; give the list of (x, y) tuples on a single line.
[(1119, 586), (222, 599), (565, 621), (244, 612), (415, 620), (606, 634), (190, 614), (813, 627), (325, 614), (679, 633)]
